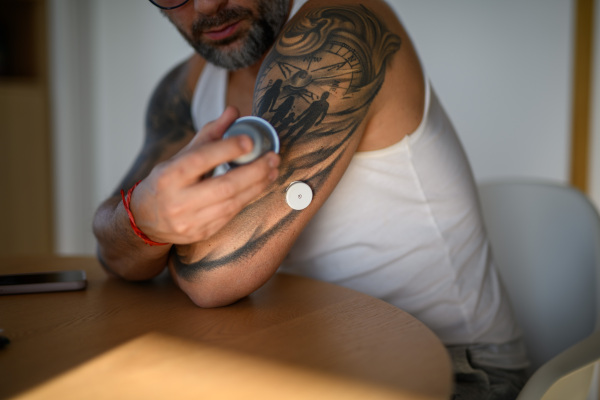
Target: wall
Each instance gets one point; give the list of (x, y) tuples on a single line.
[(501, 68), (70, 77), (594, 190), (503, 72)]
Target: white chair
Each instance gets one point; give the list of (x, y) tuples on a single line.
[(545, 239)]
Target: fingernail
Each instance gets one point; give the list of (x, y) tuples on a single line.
[(273, 175), (273, 161), (245, 142)]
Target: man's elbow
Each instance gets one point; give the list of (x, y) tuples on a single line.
[(127, 269), (207, 297), (204, 301)]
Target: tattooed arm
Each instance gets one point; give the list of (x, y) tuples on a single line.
[(316, 86), (173, 203)]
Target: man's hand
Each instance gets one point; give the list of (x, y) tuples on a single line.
[(177, 203)]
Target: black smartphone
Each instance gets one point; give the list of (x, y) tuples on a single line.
[(39, 282)]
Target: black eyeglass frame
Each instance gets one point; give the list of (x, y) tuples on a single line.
[(168, 8)]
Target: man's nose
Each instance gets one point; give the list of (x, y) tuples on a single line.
[(209, 7)]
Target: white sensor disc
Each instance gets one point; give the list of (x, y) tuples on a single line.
[(298, 195)]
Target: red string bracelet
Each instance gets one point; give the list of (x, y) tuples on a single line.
[(138, 231)]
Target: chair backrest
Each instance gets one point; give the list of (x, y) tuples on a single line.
[(545, 239)]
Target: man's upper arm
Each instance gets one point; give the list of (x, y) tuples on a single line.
[(315, 87)]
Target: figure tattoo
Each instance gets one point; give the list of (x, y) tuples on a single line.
[(315, 87)]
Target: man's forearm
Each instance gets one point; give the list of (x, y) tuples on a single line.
[(120, 250)]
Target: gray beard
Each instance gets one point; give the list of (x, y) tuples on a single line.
[(257, 41), (249, 53)]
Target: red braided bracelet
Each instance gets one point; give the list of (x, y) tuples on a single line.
[(138, 231)]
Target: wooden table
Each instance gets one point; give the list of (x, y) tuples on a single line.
[(293, 338)]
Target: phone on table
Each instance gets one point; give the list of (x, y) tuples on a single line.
[(39, 282)]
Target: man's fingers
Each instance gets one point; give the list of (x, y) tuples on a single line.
[(196, 161), (221, 202), (208, 224), (245, 182), (200, 209), (214, 130)]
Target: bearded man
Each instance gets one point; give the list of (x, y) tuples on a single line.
[(394, 211)]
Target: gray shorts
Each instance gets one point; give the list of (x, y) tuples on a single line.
[(473, 381)]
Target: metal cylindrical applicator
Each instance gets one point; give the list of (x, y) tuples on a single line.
[(262, 134)]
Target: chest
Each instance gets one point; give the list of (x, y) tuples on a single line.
[(240, 91)]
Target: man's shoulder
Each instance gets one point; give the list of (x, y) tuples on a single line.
[(381, 8), (169, 108), (360, 55), (356, 23), (183, 76), (176, 86)]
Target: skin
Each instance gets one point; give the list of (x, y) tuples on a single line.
[(354, 83)]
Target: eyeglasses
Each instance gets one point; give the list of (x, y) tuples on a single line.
[(168, 4)]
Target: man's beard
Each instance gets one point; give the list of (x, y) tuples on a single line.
[(252, 44)]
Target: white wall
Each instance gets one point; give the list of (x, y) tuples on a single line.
[(503, 71), (501, 68), (70, 75), (594, 189)]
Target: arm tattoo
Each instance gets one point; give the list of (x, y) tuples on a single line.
[(315, 87), (168, 125)]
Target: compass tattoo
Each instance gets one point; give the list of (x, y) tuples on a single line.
[(315, 87)]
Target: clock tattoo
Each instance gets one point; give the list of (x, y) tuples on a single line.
[(317, 82), (315, 87)]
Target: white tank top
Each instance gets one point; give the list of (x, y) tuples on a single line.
[(402, 225)]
